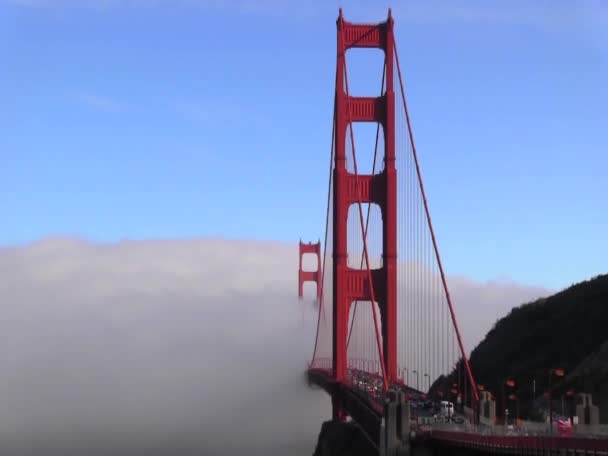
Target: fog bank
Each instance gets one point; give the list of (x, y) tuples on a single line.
[(170, 347)]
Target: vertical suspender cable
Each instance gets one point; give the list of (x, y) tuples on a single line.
[(428, 217)]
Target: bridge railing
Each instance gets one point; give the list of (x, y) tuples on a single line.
[(536, 428), (529, 429), (589, 429), (321, 363)]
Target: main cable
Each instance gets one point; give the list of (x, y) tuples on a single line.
[(329, 193)]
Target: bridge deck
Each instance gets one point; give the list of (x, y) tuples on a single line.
[(364, 403)]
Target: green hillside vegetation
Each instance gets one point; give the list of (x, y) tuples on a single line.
[(568, 330)]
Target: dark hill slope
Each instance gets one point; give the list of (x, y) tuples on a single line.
[(568, 330)]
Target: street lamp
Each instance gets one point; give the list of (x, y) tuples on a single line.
[(511, 383), (429, 388), (533, 396), (417, 380), (571, 411), (557, 373), (401, 375), (455, 392), (515, 398)]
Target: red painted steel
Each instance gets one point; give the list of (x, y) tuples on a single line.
[(377, 285), (369, 189), (372, 295), (310, 276), (364, 35), (350, 284)]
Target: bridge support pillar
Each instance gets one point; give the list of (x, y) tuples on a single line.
[(487, 409), (337, 409), (404, 419), (588, 414), (395, 427)]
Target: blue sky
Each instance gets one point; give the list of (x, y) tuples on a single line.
[(157, 119)]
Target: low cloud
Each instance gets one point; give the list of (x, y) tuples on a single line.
[(480, 304), (169, 347), (197, 347)]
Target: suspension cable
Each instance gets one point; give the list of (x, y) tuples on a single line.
[(331, 162), (428, 218)]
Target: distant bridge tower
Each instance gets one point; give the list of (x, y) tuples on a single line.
[(310, 276)]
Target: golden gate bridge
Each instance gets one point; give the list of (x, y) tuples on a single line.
[(385, 315)]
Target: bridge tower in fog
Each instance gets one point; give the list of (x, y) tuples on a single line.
[(309, 276)]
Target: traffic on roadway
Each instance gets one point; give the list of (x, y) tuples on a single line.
[(421, 406)]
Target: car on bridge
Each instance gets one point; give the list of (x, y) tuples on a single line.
[(446, 409)]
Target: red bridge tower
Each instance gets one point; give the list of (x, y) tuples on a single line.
[(350, 285), (310, 276)]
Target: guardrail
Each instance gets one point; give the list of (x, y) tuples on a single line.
[(526, 430), (577, 429), (517, 444)]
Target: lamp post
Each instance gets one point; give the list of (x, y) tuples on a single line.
[(515, 398), (417, 380), (557, 373), (511, 383), (571, 411), (531, 409), (454, 391), (429, 388)]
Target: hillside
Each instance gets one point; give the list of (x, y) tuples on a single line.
[(568, 330)]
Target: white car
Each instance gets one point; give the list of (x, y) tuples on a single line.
[(446, 409)]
